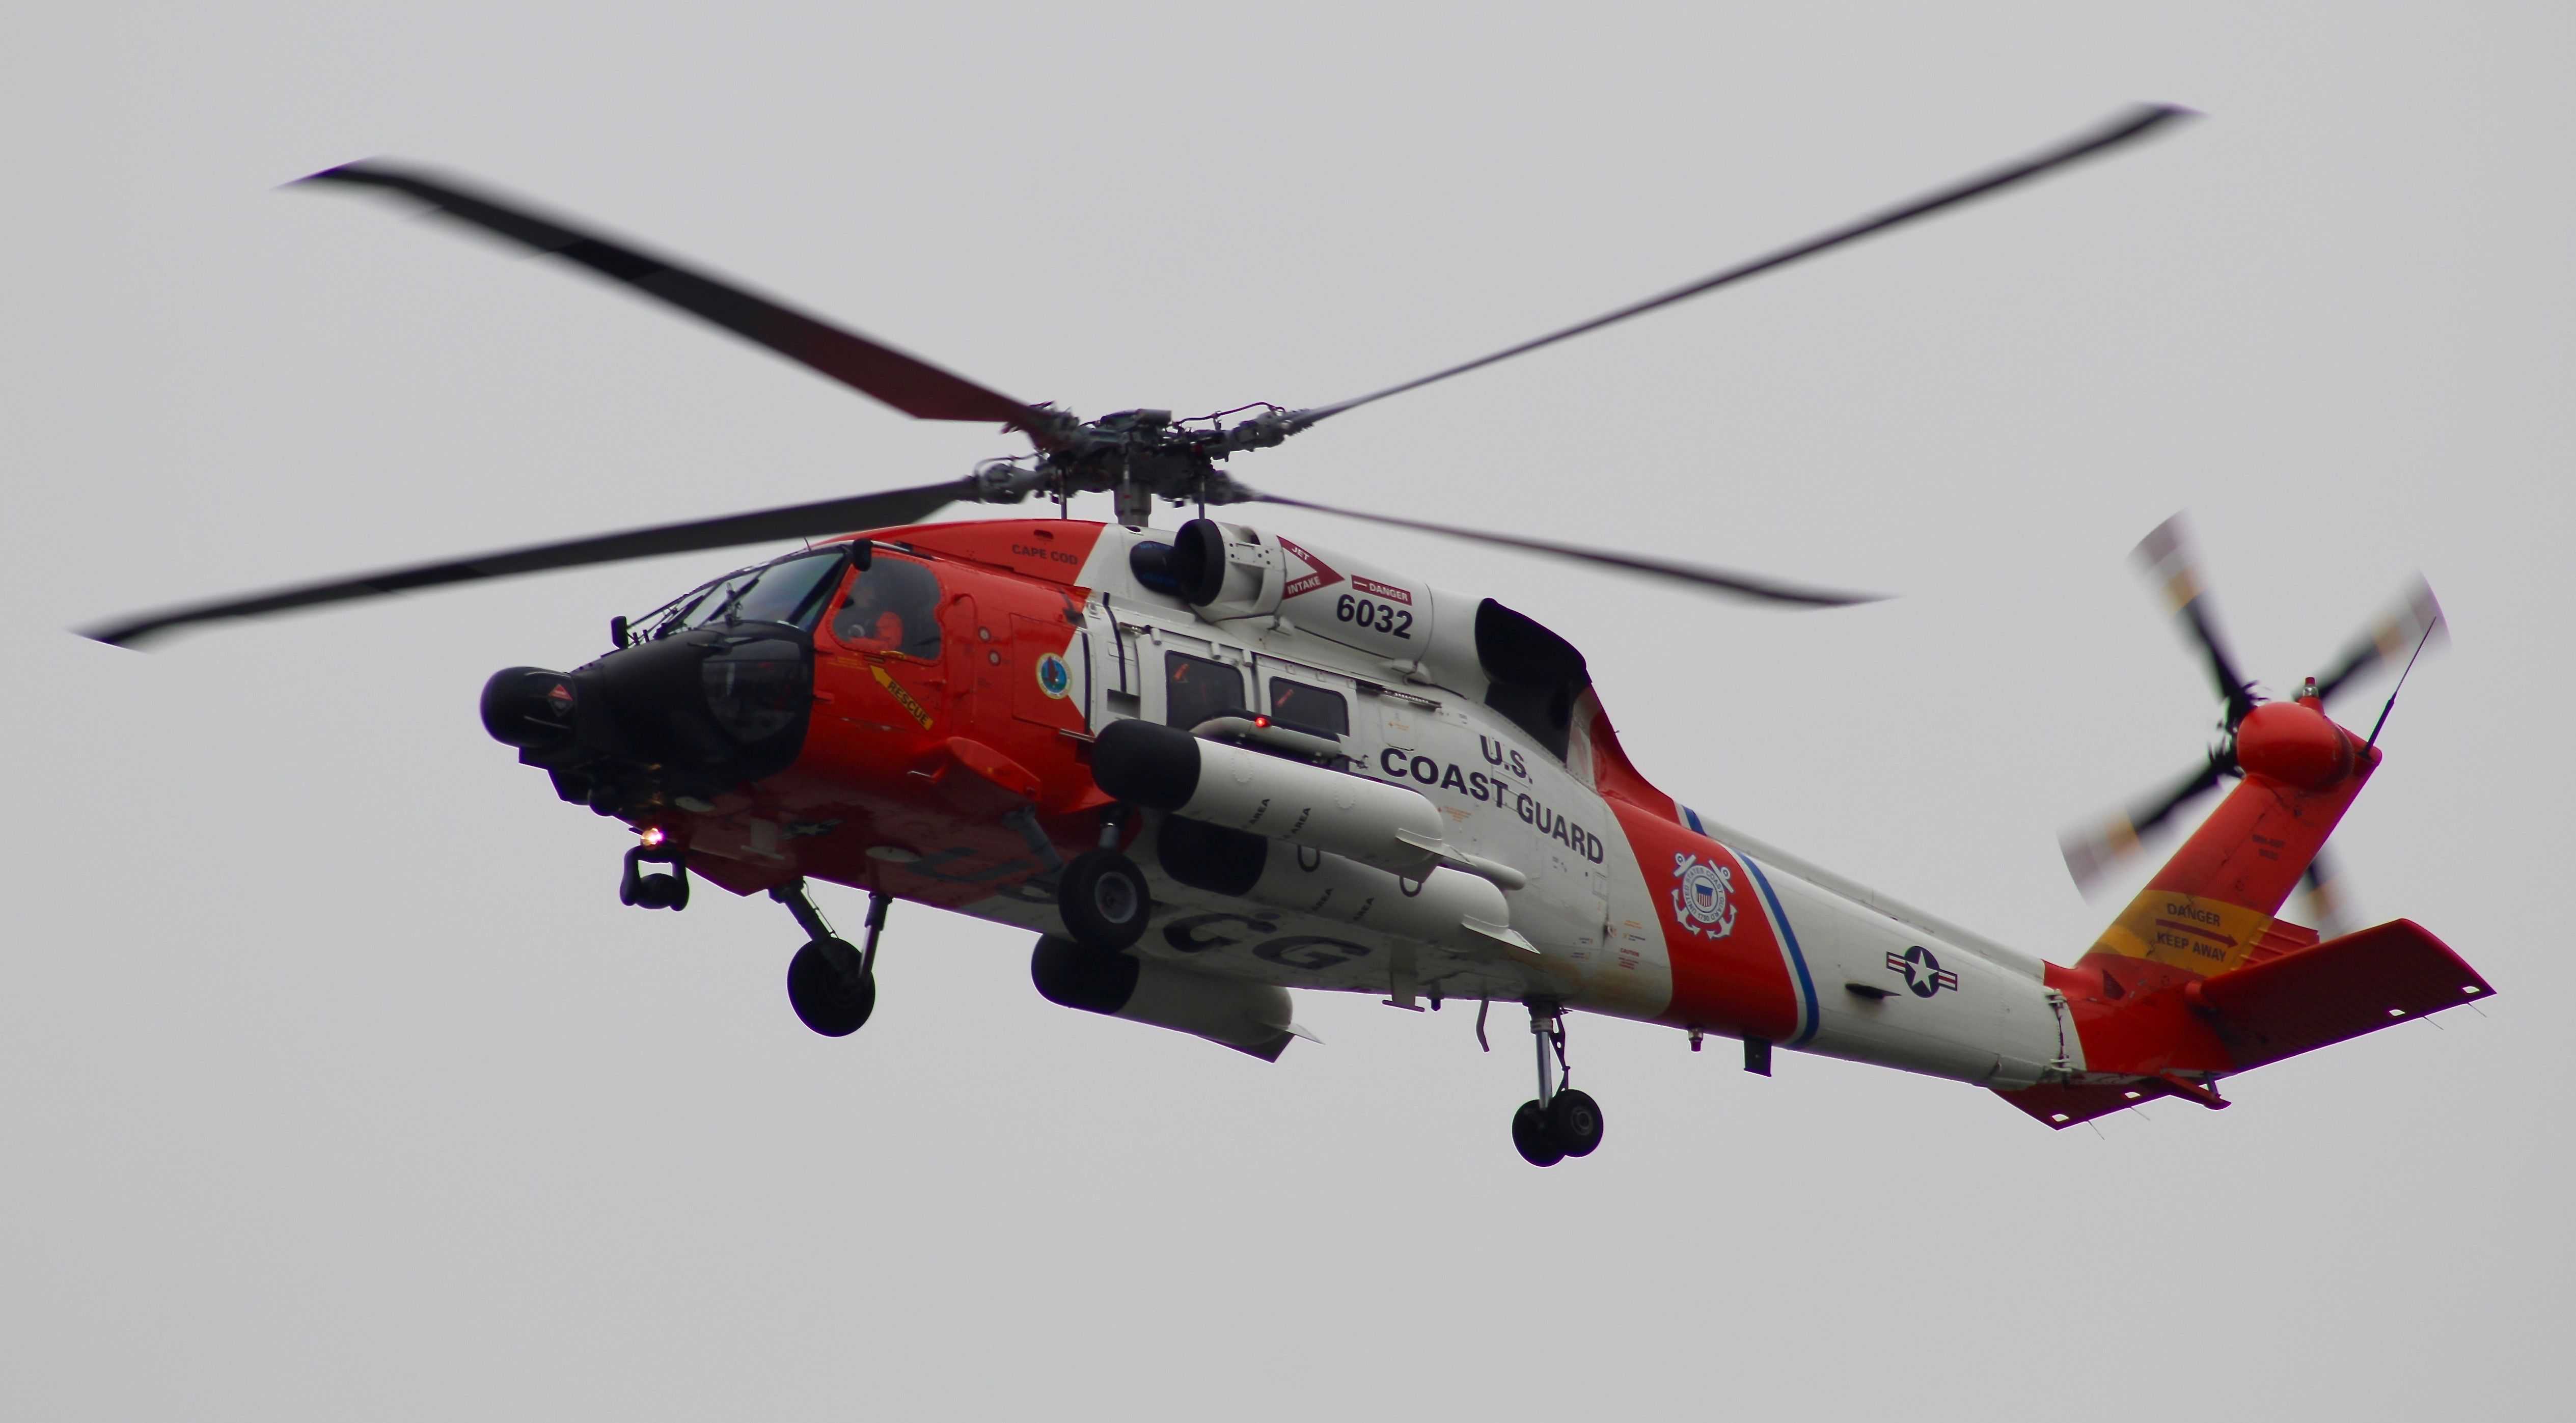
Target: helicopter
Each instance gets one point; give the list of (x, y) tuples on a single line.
[(1212, 765)]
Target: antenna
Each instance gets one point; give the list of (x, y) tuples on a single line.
[(2401, 684)]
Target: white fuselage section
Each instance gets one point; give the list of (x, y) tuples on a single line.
[(1398, 657)]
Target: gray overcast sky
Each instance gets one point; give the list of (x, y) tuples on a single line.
[(335, 1083)]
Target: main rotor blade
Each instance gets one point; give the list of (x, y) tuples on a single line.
[(2406, 623), (2122, 128), (2166, 556), (908, 383), (1742, 585), (829, 516), (2094, 851)]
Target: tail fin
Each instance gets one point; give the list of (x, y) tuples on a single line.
[(2208, 910), (2197, 979)]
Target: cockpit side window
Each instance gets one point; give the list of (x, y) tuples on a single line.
[(893, 606)]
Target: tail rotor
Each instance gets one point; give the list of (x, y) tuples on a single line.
[(2166, 556)]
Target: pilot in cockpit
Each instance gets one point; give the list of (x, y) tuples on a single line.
[(893, 606)]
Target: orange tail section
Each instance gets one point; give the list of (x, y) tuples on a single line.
[(2197, 979), (2208, 910)]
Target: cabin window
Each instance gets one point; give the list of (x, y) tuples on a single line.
[(891, 606), (1309, 708), (1195, 689)]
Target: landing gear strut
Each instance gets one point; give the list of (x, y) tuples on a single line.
[(1560, 1122), (832, 986)]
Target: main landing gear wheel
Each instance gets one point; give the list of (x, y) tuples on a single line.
[(831, 987), (1531, 1134), (1559, 1122), (1573, 1122), (1104, 900)]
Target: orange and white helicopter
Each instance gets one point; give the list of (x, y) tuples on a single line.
[(1213, 764)]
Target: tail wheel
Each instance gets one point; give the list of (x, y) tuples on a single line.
[(659, 892), (1574, 1122), (829, 989), (1530, 1133), (1104, 900)]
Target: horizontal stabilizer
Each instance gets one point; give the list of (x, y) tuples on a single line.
[(2339, 989), (2284, 1005), (2063, 1104)]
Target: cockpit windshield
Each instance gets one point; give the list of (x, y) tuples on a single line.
[(789, 591)]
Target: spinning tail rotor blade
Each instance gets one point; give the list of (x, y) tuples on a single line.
[(2121, 128), (2323, 882), (2166, 556), (2094, 851), (830, 516), (2406, 624), (1738, 584), (909, 384)]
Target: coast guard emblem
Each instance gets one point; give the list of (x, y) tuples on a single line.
[(1054, 678), (1703, 902)]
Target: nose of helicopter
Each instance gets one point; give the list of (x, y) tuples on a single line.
[(531, 708), (685, 717)]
